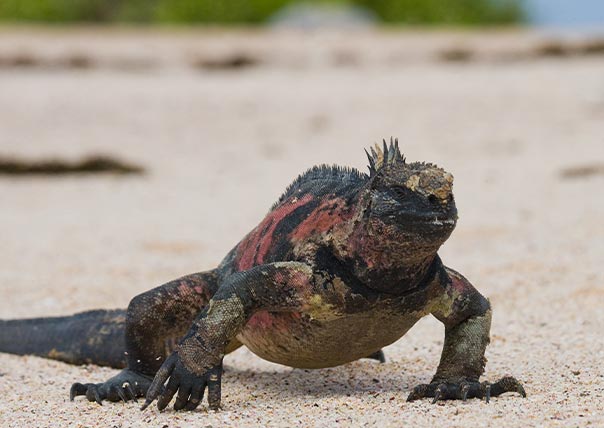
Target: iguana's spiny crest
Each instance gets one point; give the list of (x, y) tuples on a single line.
[(383, 157), (388, 168)]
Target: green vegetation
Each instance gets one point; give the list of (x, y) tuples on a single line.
[(451, 12), (465, 12)]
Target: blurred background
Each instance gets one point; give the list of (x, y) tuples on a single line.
[(582, 13), (141, 140)]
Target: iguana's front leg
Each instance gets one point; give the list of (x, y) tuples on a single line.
[(197, 361), (466, 315)]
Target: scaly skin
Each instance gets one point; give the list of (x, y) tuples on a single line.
[(341, 254)]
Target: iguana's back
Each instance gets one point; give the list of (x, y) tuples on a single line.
[(303, 218)]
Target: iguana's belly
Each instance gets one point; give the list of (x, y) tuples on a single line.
[(297, 340)]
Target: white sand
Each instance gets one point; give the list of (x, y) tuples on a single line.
[(220, 147)]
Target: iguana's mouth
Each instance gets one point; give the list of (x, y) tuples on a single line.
[(444, 221), (427, 221), (436, 219), (430, 223)]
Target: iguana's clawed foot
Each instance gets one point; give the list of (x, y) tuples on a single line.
[(189, 386), (125, 386), (466, 389)]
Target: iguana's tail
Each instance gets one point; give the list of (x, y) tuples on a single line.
[(93, 337)]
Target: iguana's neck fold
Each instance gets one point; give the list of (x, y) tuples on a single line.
[(385, 257)]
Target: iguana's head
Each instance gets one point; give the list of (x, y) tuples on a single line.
[(414, 200)]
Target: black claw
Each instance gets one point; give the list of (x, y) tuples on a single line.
[(195, 399), (130, 392), (214, 396), (463, 391), (90, 394), (122, 394), (179, 404), (487, 392), (97, 396), (439, 393), (77, 389), (418, 392), (507, 384), (146, 404), (521, 390)]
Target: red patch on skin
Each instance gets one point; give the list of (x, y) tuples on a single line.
[(299, 280), (285, 280), (279, 277), (260, 320), (254, 247), (186, 291), (459, 283), (183, 288), (323, 218), (291, 278), (272, 322)]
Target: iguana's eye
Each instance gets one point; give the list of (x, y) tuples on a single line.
[(400, 191)]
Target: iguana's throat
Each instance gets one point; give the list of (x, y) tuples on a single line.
[(389, 260)]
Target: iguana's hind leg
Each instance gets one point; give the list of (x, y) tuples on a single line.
[(155, 321)]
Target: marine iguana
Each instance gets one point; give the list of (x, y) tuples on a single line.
[(343, 264)]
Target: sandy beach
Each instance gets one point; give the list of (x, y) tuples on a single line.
[(222, 122)]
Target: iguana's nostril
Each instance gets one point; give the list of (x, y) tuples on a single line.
[(433, 199)]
